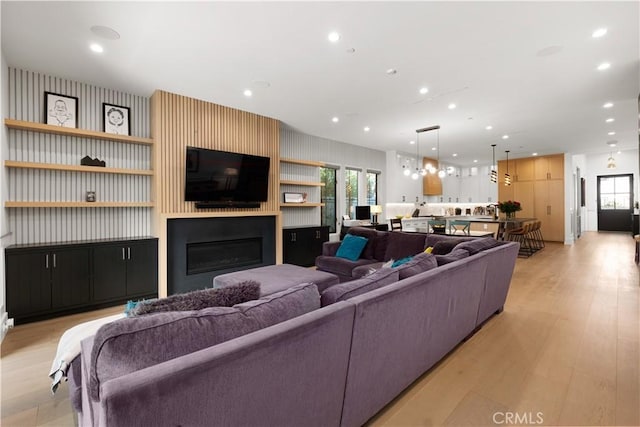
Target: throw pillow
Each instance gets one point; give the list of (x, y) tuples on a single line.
[(445, 246), (369, 234), (351, 247), (419, 264), (454, 255), (197, 300), (346, 290)]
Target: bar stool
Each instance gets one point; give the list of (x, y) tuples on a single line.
[(458, 225), (520, 235)]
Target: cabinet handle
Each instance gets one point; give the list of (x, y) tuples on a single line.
[(317, 234), (54, 260), (548, 175), (128, 253), (123, 257), (293, 237), (549, 210), (46, 261)]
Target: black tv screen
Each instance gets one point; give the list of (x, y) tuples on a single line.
[(222, 176)]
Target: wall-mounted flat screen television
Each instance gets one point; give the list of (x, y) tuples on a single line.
[(222, 176)]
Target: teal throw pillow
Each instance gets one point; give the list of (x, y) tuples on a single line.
[(351, 247), (401, 261)]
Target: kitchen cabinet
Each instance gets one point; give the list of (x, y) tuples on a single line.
[(549, 167), (431, 182)]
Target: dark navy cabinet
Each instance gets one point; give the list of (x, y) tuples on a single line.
[(301, 245)]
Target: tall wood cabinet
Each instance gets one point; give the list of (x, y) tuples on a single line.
[(538, 184), (431, 182)]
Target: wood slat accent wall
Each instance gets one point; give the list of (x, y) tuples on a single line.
[(179, 121)]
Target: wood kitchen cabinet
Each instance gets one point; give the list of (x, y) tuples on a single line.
[(431, 182)]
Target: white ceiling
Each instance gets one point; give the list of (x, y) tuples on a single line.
[(488, 58)]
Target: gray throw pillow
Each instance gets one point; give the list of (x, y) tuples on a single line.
[(197, 300), (418, 264)]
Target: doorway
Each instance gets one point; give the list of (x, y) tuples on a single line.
[(615, 202)]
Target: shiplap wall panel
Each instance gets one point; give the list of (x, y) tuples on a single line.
[(43, 225), (179, 121), (297, 145)]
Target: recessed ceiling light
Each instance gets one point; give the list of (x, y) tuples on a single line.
[(412, 142), (433, 148), (505, 136), (333, 37), (367, 128), (612, 143), (392, 71), (455, 154), (105, 32), (604, 66), (452, 106), (424, 90), (489, 127), (608, 105), (247, 93), (619, 152), (599, 33), (96, 48), (335, 120), (534, 154), (475, 160), (611, 133), (610, 120)]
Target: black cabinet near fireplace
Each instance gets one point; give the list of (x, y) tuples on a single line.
[(50, 280), (301, 245)]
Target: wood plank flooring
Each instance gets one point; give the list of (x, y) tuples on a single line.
[(564, 352)]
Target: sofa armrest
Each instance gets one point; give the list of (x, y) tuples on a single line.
[(330, 248)]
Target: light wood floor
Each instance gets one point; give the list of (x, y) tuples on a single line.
[(566, 346)]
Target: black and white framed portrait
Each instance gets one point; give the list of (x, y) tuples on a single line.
[(116, 119), (60, 110)]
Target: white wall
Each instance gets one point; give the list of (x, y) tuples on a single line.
[(4, 241), (596, 164)]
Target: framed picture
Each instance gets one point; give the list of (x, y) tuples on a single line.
[(295, 197), (115, 119), (60, 110)]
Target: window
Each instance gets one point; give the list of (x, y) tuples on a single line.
[(351, 191), (372, 187), (615, 192), (328, 197)]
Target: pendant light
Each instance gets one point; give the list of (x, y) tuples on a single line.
[(611, 162), (441, 172), (494, 172), (422, 171), (507, 177)]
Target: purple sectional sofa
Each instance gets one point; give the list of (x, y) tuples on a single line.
[(294, 357)]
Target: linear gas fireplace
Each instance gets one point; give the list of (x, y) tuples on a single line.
[(222, 255), (198, 249)]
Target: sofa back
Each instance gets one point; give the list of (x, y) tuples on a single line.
[(501, 262), (131, 344), (289, 374), (404, 328)]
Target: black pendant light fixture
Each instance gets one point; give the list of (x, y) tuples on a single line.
[(494, 172), (507, 177)]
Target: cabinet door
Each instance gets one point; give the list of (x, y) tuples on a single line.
[(551, 167), (109, 272), (142, 268), (70, 277), (523, 192), (28, 283), (524, 169), (319, 236), (549, 209), (293, 245), (431, 182)]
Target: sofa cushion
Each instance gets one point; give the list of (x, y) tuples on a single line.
[(401, 245), (134, 343), (340, 266), (433, 238), (197, 300), (477, 245), (343, 291), (418, 264), (382, 240), (365, 270), (369, 234), (452, 256), (444, 247), (351, 247)]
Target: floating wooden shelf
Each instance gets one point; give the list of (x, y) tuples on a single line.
[(58, 130), (301, 205), (75, 168), (303, 183), (302, 162), (10, 204)]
